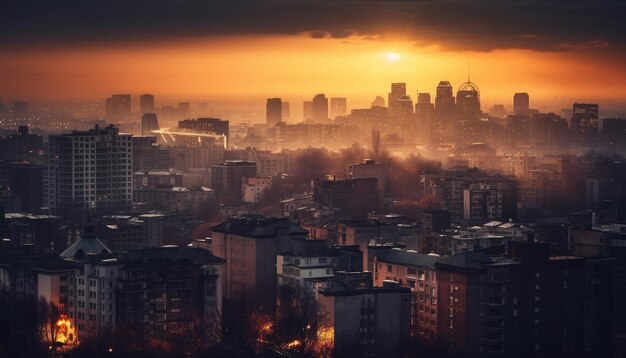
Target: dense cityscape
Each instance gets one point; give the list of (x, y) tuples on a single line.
[(402, 229), (313, 179)]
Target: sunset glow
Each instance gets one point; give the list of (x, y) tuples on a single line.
[(249, 67)]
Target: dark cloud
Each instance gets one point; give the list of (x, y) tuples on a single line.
[(454, 24)]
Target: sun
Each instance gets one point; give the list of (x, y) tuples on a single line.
[(392, 56)]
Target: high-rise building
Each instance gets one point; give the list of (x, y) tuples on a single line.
[(397, 90), (149, 123), (273, 111), (378, 102), (363, 320), (90, 170), (468, 101), (117, 107), (286, 111), (503, 306), (404, 107), (307, 110), (423, 107), (320, 108), (146, 103), (226, 178), (417, 272), (368, 168), (249, 244), (521, 103), (584, 119), (444, 101), (338, 107)]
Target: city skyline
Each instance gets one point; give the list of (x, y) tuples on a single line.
[(277, 48)]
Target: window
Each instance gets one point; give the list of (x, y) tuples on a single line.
[(389, 268)]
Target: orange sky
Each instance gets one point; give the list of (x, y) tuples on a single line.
[(296, 67)]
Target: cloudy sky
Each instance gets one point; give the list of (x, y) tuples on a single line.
[(256, 48)]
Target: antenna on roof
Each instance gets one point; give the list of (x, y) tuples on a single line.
[(468, 72)]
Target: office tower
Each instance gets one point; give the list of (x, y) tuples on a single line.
[(424, 107), (273, 111), (320, 108), (146, 103), (1, 108), (404, 107), (90, 170), (117, 107), (249, 244), (397, 90), (444, 100), (286, 111), (338, 107), (584, 118), (468, 101), (379, 101), (149, 123), (19, 109), (307, 110), (184, 109), (226, 178), (521, 103)]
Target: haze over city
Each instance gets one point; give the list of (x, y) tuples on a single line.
[(313, 178)]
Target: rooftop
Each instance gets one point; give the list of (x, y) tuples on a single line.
[(258, 226), (407, 257)]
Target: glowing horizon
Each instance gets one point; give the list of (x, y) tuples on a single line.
[(297, 67)]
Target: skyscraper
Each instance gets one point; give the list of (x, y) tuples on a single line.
[(338, 107), (444, 101), (146, 103), (307, 110), (404, 108), (320, 108), (90, 170), (117, 107), (521, 103), (286, 112), (468, 101), (273, 111), (423, 107), (149, 123), (584, 118), (397, 90)]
